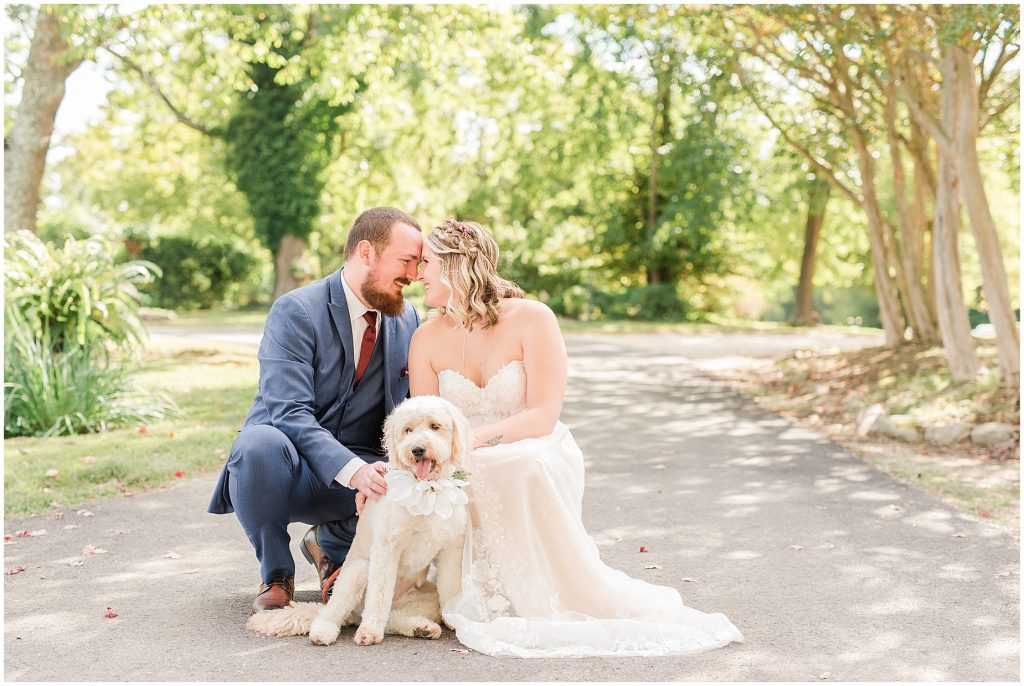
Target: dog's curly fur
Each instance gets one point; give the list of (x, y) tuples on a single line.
[(383, 583)]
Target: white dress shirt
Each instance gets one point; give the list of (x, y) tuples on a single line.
[(356, 310)]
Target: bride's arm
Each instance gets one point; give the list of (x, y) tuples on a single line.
[(546, 374), (422, 377)]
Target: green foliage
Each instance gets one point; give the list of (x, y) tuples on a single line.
[(534, 120), (76, 294), (64, 311), (280, 136), (76, 390), (199, 273)]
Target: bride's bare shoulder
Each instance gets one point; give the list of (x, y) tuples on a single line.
[(431, 329), (526, 311)]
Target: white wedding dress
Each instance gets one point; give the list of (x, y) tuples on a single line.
[(533, 583)]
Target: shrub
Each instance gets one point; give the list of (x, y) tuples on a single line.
[(76, 390), (66, 311), (198, 273), (75, 294)]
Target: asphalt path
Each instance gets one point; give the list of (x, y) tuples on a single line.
[(832, 571)]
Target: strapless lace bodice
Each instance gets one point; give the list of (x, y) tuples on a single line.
[(503, 396)]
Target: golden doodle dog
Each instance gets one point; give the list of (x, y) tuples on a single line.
[(422, 519)]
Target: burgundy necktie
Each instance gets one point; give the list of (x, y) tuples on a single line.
[(366, 347)]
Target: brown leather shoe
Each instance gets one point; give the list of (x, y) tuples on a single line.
[(326, 568), (275, 594)]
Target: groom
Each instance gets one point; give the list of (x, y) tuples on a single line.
[(333, 364)]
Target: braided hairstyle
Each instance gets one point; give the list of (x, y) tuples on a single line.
[(469, 267)]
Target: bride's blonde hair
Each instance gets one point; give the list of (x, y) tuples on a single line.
[(469, 267)]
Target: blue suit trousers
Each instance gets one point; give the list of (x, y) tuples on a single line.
[(271, 486)]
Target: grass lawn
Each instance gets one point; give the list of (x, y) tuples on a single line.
[(213, 386)]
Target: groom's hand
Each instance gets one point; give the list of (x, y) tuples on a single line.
[(369, 480)]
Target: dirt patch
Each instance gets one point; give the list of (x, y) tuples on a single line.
[(826, 392)]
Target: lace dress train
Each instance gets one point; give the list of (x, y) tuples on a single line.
[(533, 581)]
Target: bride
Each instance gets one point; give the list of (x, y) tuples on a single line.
[(533, 582)]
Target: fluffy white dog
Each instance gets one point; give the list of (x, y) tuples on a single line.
[(422, 519)]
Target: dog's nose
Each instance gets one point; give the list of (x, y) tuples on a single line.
[(418, 451)]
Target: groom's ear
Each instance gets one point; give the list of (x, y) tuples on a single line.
[(365, 251)]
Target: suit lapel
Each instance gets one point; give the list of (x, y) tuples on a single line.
[(387, 331), (343, 324)]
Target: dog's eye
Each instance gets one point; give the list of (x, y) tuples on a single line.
[(435, 427), (408, 430)]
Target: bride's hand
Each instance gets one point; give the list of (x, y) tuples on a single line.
[(360, 502)]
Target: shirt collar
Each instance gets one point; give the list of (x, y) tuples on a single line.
[(356, 308)]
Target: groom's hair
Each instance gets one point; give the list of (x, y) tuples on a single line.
[(374, 225)]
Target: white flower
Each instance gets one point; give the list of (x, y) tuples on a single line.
[(425, 497)]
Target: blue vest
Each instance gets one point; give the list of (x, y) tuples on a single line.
[(362, 420)]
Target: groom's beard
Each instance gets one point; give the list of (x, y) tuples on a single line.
[(388, 304)]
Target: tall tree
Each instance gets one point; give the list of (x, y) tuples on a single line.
[(52, 57), (963, 52), (818, 191)]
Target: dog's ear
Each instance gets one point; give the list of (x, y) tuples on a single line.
[(462, 437), (390, 438)]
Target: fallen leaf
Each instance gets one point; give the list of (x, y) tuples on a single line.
[(117, 531), (653, 567), (92, 550), (110, 614), (84, 513), (25, 533), (983, 513), (128, 494), (825, 675), (89, 458), (643, 549), (1003, 573), (52, 472), (171, 555), (70, 526), (178, 474), (458, 650), (171, 434), (688, 580), (59, 515), (75, 563), (796, 547), (8, 538), (959, 536), (143, 430), (11, 571)]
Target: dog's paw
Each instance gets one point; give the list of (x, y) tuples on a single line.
[(367, 637), (323, 632), (447, 625), (427, 630)]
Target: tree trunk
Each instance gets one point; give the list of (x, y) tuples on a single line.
[(802, 312), (986, 239), (911, 237), (885, 290), (29, 140), (660, 133), (291, 250), (924, 188), (952, 314)]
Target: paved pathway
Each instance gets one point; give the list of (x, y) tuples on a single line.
[(832, 570)]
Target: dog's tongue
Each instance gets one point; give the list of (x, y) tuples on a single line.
[(423, 468)]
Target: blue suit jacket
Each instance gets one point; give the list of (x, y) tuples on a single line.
[(307, 366)]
